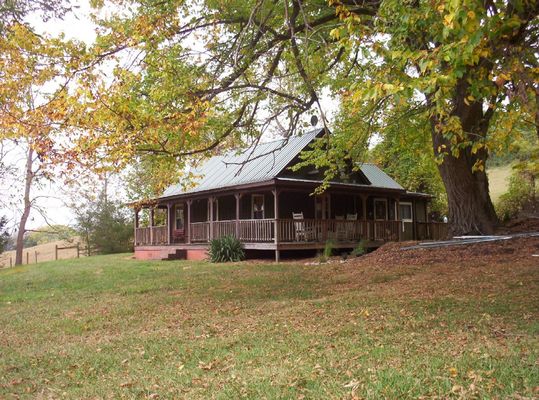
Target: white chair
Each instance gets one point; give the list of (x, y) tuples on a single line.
[(302, 233)]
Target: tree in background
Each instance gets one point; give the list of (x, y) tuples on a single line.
[(4, 235), (36, 70), (47, 234), (404, 152), (103, 225)]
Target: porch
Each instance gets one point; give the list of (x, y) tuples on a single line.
[(300, 231), (260, 219)]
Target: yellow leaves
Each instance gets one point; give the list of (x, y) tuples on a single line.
[(471, 14), (453, 372), (469, 99), (335, 33)]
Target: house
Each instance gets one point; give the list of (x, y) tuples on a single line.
[(256, 197)]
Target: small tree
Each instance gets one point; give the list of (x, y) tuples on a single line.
[(4, 235), (103, 226)]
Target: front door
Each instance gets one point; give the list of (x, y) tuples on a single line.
[(380, 214), (407, 217), (257, 206), (178, 232)]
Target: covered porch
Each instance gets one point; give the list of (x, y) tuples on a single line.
[(286, 217)]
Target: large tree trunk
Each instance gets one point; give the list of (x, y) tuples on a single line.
[(27, 204), (470, 208)]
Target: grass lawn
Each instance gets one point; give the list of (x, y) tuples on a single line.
[(113, 327)]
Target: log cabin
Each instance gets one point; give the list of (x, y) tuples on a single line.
[(255, 196)]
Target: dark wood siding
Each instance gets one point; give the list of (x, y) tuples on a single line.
[(290, 202)]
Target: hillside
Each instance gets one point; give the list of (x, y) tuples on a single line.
[(45, 252), (498, 180), (412, 326)]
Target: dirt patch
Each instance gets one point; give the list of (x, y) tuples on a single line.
[(517, 249), (520, 225)]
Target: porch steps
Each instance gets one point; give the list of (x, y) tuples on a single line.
[(176, 254)]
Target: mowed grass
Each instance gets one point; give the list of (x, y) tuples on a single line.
[(112, 327)]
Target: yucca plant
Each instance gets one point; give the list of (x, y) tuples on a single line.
[(226, 249)]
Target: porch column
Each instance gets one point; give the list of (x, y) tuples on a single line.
[(276, 223), (398, 218), (169, 222), (210, 219), (238, 198), (414, 221), (364, 212), (188, 226), (151, 224), (136, 224)]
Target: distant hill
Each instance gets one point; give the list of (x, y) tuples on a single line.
[(45, 252), (498, 180)]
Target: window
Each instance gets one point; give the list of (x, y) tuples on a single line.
[(178, 217), (257, 206), (406, 212), (380, 209)]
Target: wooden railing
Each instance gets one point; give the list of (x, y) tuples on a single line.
[(151, 235), (312, 230), (199, 231), (387, 231), (293, 231), (431, 231), (224, 228), (257, 230)]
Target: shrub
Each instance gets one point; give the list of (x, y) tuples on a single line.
[(359, 250), (520, 196), (328, 251), (226, 249)]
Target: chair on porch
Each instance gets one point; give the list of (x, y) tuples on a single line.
[(302, 232), (178, 235)]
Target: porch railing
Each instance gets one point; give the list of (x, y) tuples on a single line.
[(152, 235), (199, 231), (294, 231), (257, 230), (431, 231)]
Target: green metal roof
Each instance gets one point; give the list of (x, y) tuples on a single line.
[(262, 163)]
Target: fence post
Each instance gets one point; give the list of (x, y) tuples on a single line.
[(56, 252), (10, 262), (27, 258), (35, 254), (78, 251)]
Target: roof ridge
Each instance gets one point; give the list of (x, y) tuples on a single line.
[(275, 140)]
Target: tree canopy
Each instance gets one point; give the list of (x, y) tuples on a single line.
[(182, 79)]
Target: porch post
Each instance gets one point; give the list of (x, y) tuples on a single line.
[(276, 223), (136, 225), (238, 197), (210, 199), (188, 226), (414, 221), (364, 212), (398, 217), (151, 224), (169, 222)]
